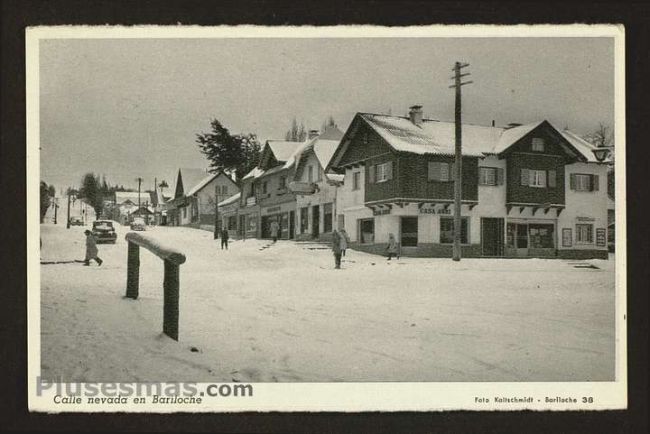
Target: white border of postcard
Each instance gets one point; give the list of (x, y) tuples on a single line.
[(346, 397)]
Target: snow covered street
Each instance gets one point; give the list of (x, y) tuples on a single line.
[(282, 313)]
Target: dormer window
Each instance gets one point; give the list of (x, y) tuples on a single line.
[(538, 144)]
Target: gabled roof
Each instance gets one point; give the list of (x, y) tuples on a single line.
[(202, 183), (282, 149), (231, 199), (438, 137), (581, 145), (323, 146), (187, 178)]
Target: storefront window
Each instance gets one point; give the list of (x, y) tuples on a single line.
[(367, 231), (447, 230), (584, 234), (541, 236), (304, 219)]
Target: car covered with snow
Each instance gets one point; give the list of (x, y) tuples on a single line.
[(104, 231), (138, 224)]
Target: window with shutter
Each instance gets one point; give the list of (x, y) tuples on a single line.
[(371, 174), (444, 172), (389, 170), (594, 183), (524, 177), (572, 181), (500, 176), (434, 171)]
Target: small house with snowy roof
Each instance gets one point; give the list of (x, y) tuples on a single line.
[(195, 195), (527, 190)]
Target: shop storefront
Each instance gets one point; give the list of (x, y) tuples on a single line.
[(531, 238), (284, 215)]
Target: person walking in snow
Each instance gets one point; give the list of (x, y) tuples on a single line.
[(336, 249), (345, 240), (224, 238), (91, 249), (275, 228), (392, 247)]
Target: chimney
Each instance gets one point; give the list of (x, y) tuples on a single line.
[(493, 123), (415, 114), (313, 133)]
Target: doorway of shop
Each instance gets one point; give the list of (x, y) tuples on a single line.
[(492, 230), (315, 220)]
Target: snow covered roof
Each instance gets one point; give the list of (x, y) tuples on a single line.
[(282, 149), (231, 199), (431, 136), (335, 177), (438, 137), (255, 173), (324, 146), (123, 196), (201, 184), (190, 178), (581, 145)]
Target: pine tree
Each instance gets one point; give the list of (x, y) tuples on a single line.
[(91, 190), (238, 153)]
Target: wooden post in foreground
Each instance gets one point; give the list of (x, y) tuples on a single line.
[(170, 303), (172, 259), (133, 271)]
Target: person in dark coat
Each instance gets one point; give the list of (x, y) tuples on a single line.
[(336, 249), (91, 249), (392, 247), (345, 241), (275, 228), (224, 238)]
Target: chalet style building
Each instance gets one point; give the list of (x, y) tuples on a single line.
[(316, 190), (527, 190), (266, 197), (195, 196)]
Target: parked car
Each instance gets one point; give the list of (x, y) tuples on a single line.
[(76, 221), (138, 224), (104, 231)]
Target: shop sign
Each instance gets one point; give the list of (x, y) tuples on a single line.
[(585, 219), (445, 211), (381, 211), (601, 237), (273, 209)]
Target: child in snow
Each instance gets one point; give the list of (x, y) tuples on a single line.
[(224, 238), (392, 247), (91, 249), (336, 249), (344, 241)]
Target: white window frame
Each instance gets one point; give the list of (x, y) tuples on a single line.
[(356, 180), (590, 239), (380, 172), (538, 144), (537, 178), (483, 180), (583, 182)]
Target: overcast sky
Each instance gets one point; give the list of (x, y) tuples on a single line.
[(131, 107)]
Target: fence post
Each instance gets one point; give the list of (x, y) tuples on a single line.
[(133, 271), (170, 302)]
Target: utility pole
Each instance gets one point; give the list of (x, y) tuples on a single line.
[(216, 211), (458, 157), (56, 207)]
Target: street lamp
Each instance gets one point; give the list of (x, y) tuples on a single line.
[(601, 153)]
